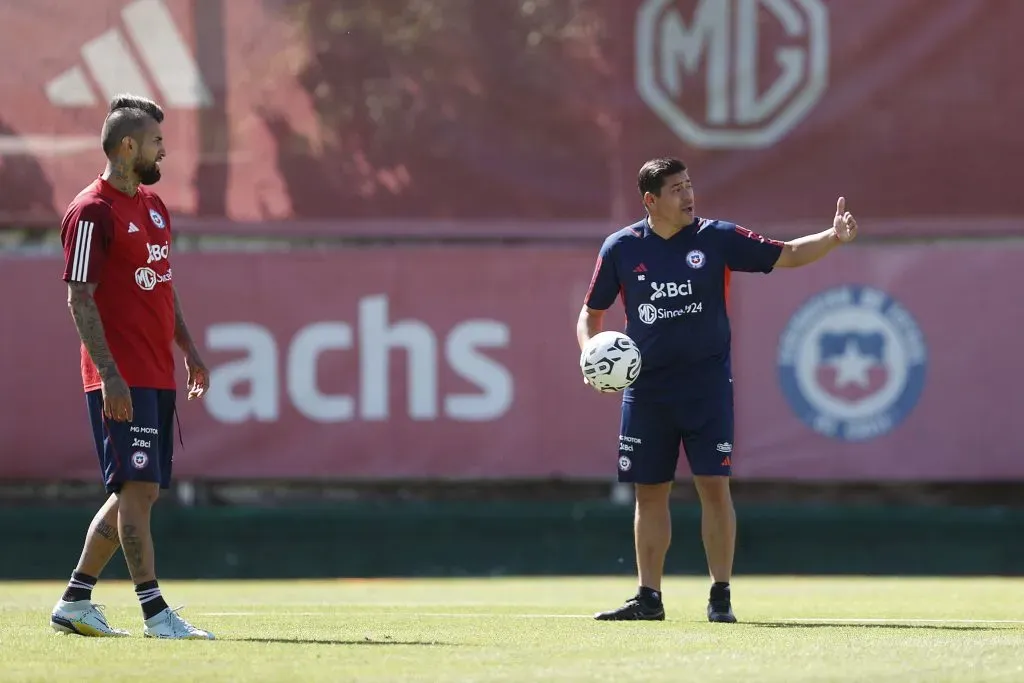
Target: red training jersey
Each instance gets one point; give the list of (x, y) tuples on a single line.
[(123, 245)]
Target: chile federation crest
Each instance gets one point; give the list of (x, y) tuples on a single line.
[(852, 363)]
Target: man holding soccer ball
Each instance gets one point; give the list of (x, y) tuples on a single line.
[(672, 271)]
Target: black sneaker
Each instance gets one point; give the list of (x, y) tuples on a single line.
[(720, 604), (634, 609), (720, 611)]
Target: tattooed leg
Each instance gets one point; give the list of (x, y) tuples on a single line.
[(135, 501), (101, 542)]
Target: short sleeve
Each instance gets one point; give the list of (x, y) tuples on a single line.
[(86, 233), (604, 284), (747, 251)]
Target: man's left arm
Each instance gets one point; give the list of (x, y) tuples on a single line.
[(805, 250), (198, 375)]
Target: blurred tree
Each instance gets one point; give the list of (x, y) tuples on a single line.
[(27, 190), (453, 108)]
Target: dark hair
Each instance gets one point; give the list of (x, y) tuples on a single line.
[(653, 173), (127, 115)]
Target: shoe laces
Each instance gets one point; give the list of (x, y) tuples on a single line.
[(100, 613), (646, 605), (179, 621)]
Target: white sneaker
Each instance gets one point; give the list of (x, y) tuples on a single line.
[(83, 618), (168, 624)]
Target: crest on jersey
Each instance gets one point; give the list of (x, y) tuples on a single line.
[(157, 219), (852, 363), (696, 259)]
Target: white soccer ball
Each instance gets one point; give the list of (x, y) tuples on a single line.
[(610, 361)]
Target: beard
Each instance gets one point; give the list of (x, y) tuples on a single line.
[(149, 174)]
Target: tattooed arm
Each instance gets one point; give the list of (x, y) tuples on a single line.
[(117, 402), (90, 327), (198, 375)]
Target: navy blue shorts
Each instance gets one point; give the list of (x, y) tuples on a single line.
[(140, 450), (651, 433)]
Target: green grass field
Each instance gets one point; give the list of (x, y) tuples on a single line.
[(524, 630)]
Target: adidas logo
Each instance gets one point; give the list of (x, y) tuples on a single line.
[(113, 68), (132, 228), (640, 269)]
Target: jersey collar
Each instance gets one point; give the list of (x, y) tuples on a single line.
[(648, 232)]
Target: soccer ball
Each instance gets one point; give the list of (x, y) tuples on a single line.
[(610, 361)]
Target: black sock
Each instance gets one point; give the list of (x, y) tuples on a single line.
[(149, 597), (720, 590), (649, 595), (79, 587)]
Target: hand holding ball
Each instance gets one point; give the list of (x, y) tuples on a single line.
[(610, 362)]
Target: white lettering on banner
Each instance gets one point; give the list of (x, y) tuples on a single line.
[(376, 341), (301, 371), (258, 368), (376, 337)]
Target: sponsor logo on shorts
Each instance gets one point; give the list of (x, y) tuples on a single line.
[(135, 429), (852, 363), (140, 460), (141, 443), (626, 443)]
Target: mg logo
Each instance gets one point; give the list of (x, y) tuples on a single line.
[(733, 73)]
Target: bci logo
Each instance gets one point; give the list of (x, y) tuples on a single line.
[(156, 252), (668, 290), (718, 80)]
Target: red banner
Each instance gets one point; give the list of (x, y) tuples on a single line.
[(888, 363), (526, 118), (365, 363), (883, 364)]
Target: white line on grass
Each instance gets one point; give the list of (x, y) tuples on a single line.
[(473, 615), (445, 615), (869, 620)]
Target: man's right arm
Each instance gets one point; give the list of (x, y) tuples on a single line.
[(604, 287), (90, 328), (87, 233), (590, 323)]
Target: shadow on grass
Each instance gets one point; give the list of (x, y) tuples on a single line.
[(876, 625), (340, 641)]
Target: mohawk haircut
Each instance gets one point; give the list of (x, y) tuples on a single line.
[(127, 116)]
